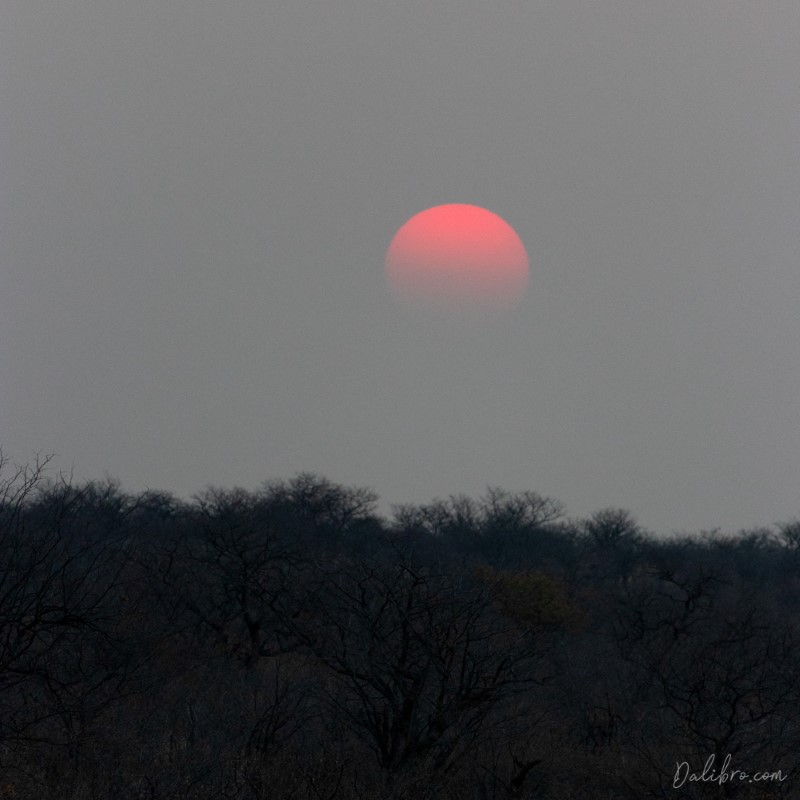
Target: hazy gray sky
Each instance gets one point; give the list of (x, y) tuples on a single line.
[(196, 198)]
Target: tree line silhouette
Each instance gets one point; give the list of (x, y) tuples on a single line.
[(290, 643)]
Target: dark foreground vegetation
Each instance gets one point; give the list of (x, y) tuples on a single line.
[(291, 644)]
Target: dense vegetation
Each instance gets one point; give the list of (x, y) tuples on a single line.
[(291, 644)]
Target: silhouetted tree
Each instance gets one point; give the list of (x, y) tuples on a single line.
[(422, 665)]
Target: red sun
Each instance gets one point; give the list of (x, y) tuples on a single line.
[(457, 256)]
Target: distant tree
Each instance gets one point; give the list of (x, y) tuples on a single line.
[(455, 522), (615, 542), (501, 527), (514, 526), (318, 505), (612, 527), (789, 535)]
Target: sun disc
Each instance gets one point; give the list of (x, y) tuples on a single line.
[(457, 256)]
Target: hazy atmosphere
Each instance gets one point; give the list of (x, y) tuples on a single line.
[(196, 200)]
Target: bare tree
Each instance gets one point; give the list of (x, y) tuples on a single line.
[(422, 666), (707, 672), (67, 648)]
